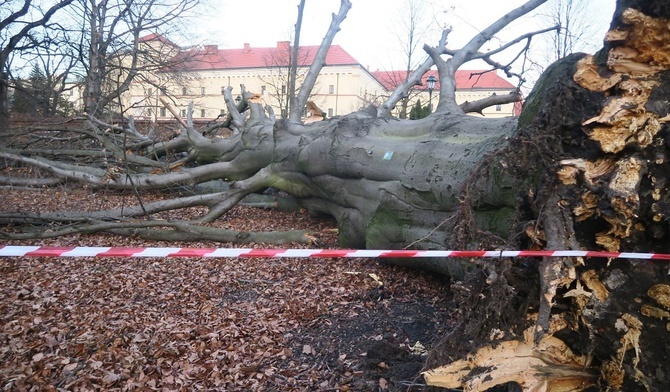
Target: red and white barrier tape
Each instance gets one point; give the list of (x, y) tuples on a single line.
[(83, 251)]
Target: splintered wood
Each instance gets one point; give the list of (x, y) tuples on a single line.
[(641, 52), (548, 366), (626, 130)]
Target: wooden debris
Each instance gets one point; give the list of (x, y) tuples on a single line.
[(314, 114), (646, 48), (643, 53), (630, 340), (661, 294), (587, 76), (590, 279), (587, 208), (625, 202), (652, 311), (548, 366), (591, 170)]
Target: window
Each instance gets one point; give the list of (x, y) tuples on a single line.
[(498, 108), (184, 91), (222, 112), (330, 112), (150, 91), (183, 113), (163, 91), (331, 89), (163, 112), (202, 91), (283, 89), (262, 89), (202, 112), (150, 112)]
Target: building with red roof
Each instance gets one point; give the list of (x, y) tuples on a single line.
[(200, 74)]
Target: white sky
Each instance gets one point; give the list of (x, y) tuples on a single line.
[(368, 32)]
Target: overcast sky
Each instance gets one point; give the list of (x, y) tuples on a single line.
[(371, 31)]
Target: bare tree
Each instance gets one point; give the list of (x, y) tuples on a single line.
[(287, 70), (18, 31), (583, 167), (411, 33), (110, 44), (574, 22)]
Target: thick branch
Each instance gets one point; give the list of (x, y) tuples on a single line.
[(414, 79), (293, 59), (180, 231), (117, 179), (447, 69), (467, 52), (446, 72), (234, 111), (481, 104), (318, 63)]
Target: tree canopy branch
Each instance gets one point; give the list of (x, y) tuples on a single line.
[(318, 63), (414, 79)]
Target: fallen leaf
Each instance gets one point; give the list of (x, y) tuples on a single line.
[(110, 378), (376, 278), (307, 349), (70, 367), (383, 384)]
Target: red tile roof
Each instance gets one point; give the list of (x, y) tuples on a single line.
[(157, 37), (465, 79), (211, 57)]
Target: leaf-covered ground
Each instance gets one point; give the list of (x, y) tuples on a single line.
[(211, 324)]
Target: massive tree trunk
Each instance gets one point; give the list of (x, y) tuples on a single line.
[(584, 167)]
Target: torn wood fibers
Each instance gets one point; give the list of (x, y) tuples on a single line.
[(640, 53)]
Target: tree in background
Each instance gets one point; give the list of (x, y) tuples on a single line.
[(285, 74), (40, 95), (108, 44), (411, 33), (23, 25), (31, 95), (418, 111), (573, 21)]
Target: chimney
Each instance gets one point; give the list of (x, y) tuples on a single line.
[(247, 48), (283, 45), (211, 48)]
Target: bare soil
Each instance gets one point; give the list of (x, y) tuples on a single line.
[(247, 324)]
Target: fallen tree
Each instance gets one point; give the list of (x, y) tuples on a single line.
[(583, 167)]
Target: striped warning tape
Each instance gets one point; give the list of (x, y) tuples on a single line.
[(84, 251)]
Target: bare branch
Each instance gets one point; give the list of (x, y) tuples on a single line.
[(514, 42), (318, 63), (481, 104), (465, 54), (233, 111), (131, 131), (415, 78), (293, 59), (174, 112), (447, 76), (447, 69)]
